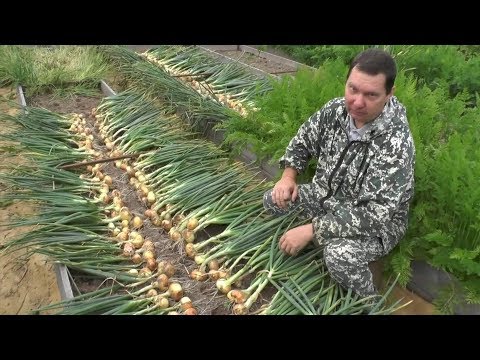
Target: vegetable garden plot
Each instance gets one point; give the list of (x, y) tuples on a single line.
[(259, 254), (88, 282)]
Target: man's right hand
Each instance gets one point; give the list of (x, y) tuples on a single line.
[(285, 189)]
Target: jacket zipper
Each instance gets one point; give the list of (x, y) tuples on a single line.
[(337, 166), (335, 169)]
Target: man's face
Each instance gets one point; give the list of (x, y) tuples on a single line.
[(365, 95)]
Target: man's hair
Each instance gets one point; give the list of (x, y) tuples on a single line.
[(373, 62)]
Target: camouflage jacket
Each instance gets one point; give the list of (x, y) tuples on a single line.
[(363, 187)]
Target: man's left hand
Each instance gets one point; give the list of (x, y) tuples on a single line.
[(296, 239)]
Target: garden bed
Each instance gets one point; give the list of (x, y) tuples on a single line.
[(204, 295)]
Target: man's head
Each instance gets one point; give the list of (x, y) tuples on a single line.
[(370, 84)]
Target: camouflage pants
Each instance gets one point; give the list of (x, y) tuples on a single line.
[(346, 259)]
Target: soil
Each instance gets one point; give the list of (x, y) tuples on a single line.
[(258, 62), (25, 284)]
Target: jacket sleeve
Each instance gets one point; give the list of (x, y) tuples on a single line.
[(387, 186), (305, 144)]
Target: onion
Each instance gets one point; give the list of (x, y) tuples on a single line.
[(149, 245), (125, 214), (122, 236), (199, 259), (152, 264), (175, 235), (190, 250), (138, 241), (162, 282), (145, 272), (152, 293), (198, 275), (151, 197), (148, 254), (156, 220), (190, 311), (188, 236), (192, 224), (108, 180), (162, 302), (166, 215), (175, 290), (237, 296), (222, 274), (164, 267), (240, 309), (214, 275), (167, 224), (130, 171), (137, 222), (223, 286), (137, 258), (186, 303), (178, 218), (213, 264), (128, 249), (104, 198)]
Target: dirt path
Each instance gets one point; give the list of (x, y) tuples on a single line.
[(25, 284)]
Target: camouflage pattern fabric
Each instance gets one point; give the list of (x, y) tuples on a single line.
[(359, 197)]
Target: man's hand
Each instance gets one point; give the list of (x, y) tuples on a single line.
[(285, 189), (296, 239)]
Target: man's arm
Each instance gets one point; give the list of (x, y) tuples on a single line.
[(304, 145)]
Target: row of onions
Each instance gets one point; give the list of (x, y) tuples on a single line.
[(200, 112), (199, 88), (226, 82)]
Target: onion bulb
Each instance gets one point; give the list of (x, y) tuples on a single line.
[(175, 290), (137, 222), (237, 296), (223, 286), (190, 311), (162, 282), (186, 303), (192, 224), (240, 309), (198, 275)]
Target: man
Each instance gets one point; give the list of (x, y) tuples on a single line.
[(359, 197)]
